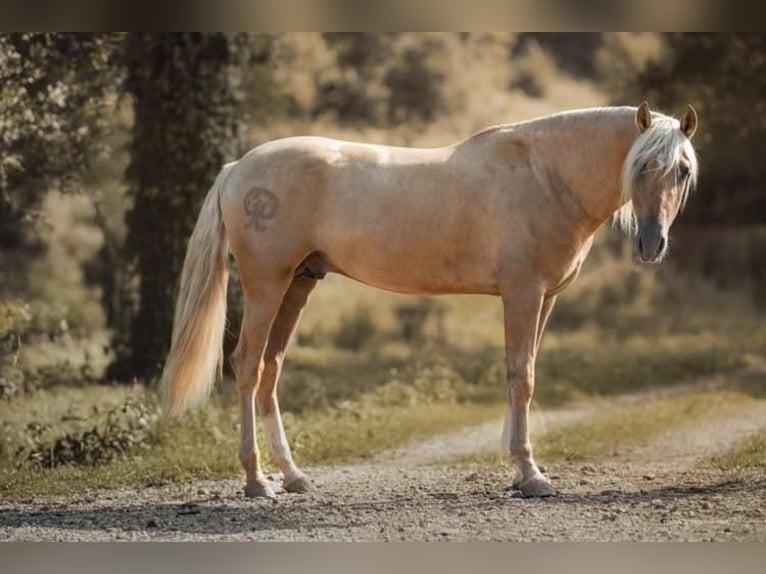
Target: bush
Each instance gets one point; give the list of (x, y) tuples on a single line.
[(415, 82), (414, 316), (33, 329), (356, 330), (128, 428), (14, 319)]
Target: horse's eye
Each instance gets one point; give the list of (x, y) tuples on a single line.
[(683, 172)]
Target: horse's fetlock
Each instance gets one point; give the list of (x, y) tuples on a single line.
[(247, 457), (521, 452)]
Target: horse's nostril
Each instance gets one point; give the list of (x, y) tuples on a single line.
[(662, 246), (640, 246)]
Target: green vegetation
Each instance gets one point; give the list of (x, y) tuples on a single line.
[(368, 370), (343, 404), (605, 433), (56, 98), (748, 455), (133, 446)]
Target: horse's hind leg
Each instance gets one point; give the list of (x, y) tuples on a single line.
[(262, 300), (284, 325)]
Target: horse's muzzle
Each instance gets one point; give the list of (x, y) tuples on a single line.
[(651, 242)]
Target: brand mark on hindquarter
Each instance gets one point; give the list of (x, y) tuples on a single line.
[(260, 206)]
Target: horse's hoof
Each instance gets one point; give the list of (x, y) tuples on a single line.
[(259, 490), (298, 484), (535, 487)]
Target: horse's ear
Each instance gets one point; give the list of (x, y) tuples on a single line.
[(643, 117), (689, 122)]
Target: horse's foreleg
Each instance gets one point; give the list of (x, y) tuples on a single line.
[(522, 319), (276, 440), (247, 362)]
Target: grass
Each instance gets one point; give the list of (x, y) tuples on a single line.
[(341, 404), (352, 385), (615, 331), (606, 432), (205, 444), (592, 363), (749, 454)]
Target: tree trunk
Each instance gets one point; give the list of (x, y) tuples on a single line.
[(186, 127)]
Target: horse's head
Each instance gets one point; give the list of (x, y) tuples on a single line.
[(659, 173)]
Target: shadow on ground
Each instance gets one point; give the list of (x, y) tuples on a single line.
[(233, 515)]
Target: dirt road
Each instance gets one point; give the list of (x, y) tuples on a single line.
[(656, 491)]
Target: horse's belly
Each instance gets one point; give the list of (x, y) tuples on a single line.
[(414, 270), (411, 227), (415, 284)]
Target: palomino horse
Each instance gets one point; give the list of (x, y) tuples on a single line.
[(511, 211)]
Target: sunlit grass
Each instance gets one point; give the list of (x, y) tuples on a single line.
[(204, 444), (616, 331), (596, 363), (613, 428), (604, 434), (345, 405), (749, 454)]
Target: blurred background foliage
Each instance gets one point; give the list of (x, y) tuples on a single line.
[(109, 143), (55, 101)]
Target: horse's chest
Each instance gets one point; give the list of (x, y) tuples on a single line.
[(570, 270)]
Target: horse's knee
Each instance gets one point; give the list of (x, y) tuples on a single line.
[(521, 387)]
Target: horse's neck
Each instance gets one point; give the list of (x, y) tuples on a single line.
[(587, 154)]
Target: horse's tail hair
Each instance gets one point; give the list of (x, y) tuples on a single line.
[(196, 348)]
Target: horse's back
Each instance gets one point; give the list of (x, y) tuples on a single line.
[(406, 219), (318, 175)]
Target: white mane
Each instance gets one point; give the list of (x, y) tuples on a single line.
[(664, 144)]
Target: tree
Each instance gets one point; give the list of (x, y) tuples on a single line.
[(573, 52), (351, 89), (415, 80), (384, 78), (56, 91), (187, 125)]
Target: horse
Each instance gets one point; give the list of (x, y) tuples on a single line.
[(510, 211)]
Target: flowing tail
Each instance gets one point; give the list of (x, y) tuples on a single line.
[(196, 349)]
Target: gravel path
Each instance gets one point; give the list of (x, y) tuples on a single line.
[(659, 491)]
